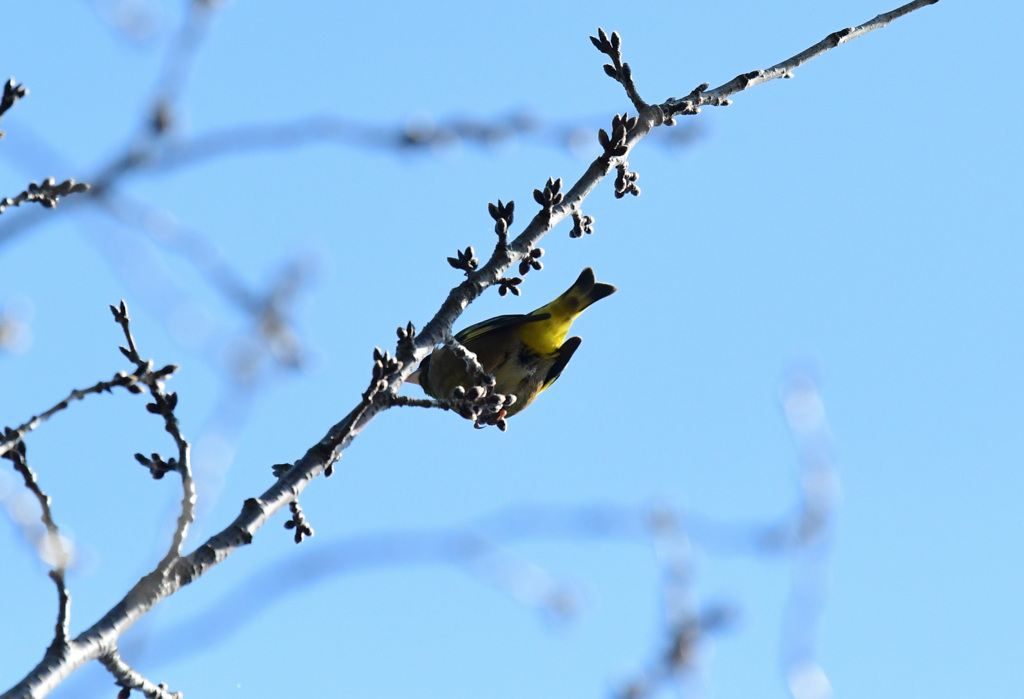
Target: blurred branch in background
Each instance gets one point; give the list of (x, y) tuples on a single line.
[(270, 340), (49, 191), (819, 497), (157, 146), (54, 549), (133, 20), (480, 548), (484, 549), (269, 310)]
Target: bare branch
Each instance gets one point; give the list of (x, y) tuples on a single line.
[(16, 454), (62, 633), (618, 70), (144, 374), (120, 379), (504, 256), (411, 401), (48, 193), (163, 404), (177, 66), (174, 572), (718, 97), (298, 523), (54, 548), (12, 93), (129, 679)]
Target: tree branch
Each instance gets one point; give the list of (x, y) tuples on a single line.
[(12, 93), (718, 97), (100, 639), (48, 193), (129, 679), (163, 404)]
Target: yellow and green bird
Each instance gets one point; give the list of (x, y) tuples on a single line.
[(524, 353)]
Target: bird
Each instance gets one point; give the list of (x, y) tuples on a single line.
[(524, 353)]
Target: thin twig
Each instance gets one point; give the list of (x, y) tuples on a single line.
[(618, 69), (129, 679), (718, 97), (410, 401), (62, 634), (53, 549), (12, 93), (13, 436), (163, 405), (48, 193)]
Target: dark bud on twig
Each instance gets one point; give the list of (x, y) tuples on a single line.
[(612, 47), (408, 332), (156, 464), (161, 119), (464, 260), (12, 93), (625, 121), (166, 372), (502, 211), (406, 337), (625, 182), (298, 523), (581, 224), (280, 469), (688, 105), (602, 44), (383, 363), (502, 215), (532, 261), (615, 145), (551, 196), (507, 284), (11, 435), (120, 313)]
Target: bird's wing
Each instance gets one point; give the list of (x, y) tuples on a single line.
[(497, 323), (565, 353)]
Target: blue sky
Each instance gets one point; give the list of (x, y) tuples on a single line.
[(859, 224)]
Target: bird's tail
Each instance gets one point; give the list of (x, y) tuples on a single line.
[(548, 335)]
